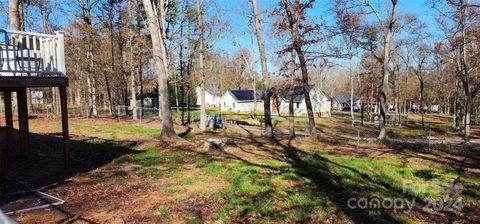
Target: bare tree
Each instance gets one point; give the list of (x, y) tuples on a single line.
[(265, 74), (15, 15), (292, 20), (203, 113), (422, 55), (157, 28), (86, 7), (459, 19), (348, 22), (384, 85), (133, 92)]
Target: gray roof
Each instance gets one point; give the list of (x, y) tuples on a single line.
[(298, 93), (245, 95), (342, 98)]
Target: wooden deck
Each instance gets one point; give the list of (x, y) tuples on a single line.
[(7, 82)]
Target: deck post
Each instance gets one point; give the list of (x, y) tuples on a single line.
[(66, 149), (23, 122), (9, 120)]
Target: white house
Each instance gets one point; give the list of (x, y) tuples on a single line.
[(211, 100), (150, 100), (321, 102), (342, 101), (240, 101), (36, 96)]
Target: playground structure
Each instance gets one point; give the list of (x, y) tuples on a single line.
[(30, 60)]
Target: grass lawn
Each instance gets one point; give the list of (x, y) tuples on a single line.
[(123, 172)]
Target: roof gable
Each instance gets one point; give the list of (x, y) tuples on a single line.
[(244, 95), (342, 98), (298, 93)]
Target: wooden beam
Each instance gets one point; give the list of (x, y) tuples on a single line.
[(9, 120), (20, 82), (23, 122), (66, 149)]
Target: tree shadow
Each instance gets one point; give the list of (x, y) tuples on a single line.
[(44, 169), (323, 177)]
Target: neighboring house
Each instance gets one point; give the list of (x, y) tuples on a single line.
[(36, 96), (321, 102), (240, 101), (342, 101), (150, 100), (211, 100)]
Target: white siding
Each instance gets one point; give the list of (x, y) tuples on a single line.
[(210, 99), (228, 103), (320, 103)]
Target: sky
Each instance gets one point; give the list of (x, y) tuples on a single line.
[(241, 35), (235, 10)]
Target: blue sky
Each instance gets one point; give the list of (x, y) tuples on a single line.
[(239, 35), (233, 11)]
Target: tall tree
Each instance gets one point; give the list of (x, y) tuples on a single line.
[(459, 19), (15, 15), (384, 84), (157, 28), (421, 57), (293, 20), (203, 114), (265, 74), (86, 8), (348, 22)]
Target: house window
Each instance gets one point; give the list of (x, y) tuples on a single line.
[(298, 105), (233, 105), (224, 104)]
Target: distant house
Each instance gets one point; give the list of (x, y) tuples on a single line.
[(37, 96), (342, 101), (240, 101), (150, 100), (321, 102), (211, 99)]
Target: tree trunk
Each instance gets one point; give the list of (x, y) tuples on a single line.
[(351, 92), (254, 95), (203, 113), (422, 109), (384, 86), (112, 53), (133, 93), (291, 92), (468, 118), (265, 75), (182, 78), (14, 15), (177, 105), (306, 91), (161, 65), (291, 114), (140, 77)]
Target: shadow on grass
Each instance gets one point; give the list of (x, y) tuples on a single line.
[(449, 154), (44, 168), (318, 176)]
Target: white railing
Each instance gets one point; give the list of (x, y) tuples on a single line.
[(31, 54)]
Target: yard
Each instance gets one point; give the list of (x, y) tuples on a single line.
[(123, 173)]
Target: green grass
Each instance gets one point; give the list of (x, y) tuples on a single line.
[(120, 173), (171, 190), (162, 212), (296, 192), (187, 181), (293, 189), (120, 128)]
